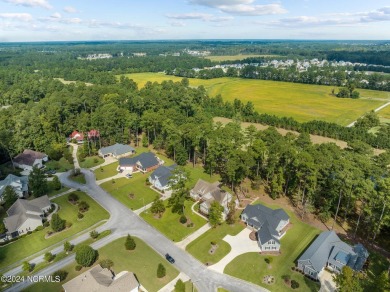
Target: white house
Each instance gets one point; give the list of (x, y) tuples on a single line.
[(24, 215), (161, 176), (18, 183), (100, 279), (29, 158), (270, 225)]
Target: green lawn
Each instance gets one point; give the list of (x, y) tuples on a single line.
[(169, 223), (385, 113), (61, 165), (53, 192), (303, 102), (198, 172), (200, 247), (143, 262), (122, 187), (252, 267), (36, 241), (91, 161), (80, 178), (106, 171)]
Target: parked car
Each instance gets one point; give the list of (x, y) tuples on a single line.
[(169, 258), (120, 170), (129, 175)]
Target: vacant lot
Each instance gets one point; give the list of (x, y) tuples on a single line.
[(237, 57), (303, 102), (296, 240), (106, 171), (36, 241)]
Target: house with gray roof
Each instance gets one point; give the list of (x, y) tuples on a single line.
[(329, 251), (29, 159), (145, 162), (161, 176), (271, 225), (25, 215), (100, 279), (117, 151), (207, 193), (18, 183)]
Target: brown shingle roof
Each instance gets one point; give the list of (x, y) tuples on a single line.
[(28, 157)]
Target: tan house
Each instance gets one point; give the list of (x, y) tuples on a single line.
[(207, 193), (99, 279), (29, 158), (25, 215)]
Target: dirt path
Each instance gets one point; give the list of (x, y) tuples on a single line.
[(375, 110)]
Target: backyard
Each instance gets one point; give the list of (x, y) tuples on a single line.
[(200, 247), (123, 187), (169, 223), (142, 261), (36, 241), (296, 240)]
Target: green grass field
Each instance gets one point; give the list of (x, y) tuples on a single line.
[(61, 165), (303, 102), (169, 223), (91, 161), (143, 262), (36, 241), (200, 247), (106, 171), (237, 57), (385, 113), (296, 240), (136, 185)]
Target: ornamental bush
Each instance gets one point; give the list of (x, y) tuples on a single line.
[(86, 255)]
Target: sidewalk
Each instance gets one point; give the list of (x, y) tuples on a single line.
[(171, 285), (182, 244), (107, 160)]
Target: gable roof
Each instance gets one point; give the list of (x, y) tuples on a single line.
[(203, 187), (117, 149), (98, 279), (163, 174), (13, 179), (22, 210), (76, 135), (28, 157), (328, 247), (147, 159)]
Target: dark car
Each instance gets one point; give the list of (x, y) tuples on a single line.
[(169, 258)]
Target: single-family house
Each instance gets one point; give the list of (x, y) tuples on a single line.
[(269, 224), (77, 136), (329, 251), (93, 134), (117, 151), (145, 162), (161, 176), (29, 158), (98, 279), (207, 193), (18, 183), (25, 215)]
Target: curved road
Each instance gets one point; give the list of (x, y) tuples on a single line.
[(123, 221)]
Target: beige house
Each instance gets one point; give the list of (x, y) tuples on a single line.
[(207, 193), (29, 158), (98, 279), (25, 215)]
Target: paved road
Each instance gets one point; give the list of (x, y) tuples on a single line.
[(123, 221), (375, 110)]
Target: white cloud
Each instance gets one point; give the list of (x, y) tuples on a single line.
[(242, 7), (200, 16), (31, 3), (70, 9), (17, 16), (177, 23), (56, 15)]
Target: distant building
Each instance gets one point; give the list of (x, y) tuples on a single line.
[(98, 279), (29, 158), (328, 251), (117, 151), (18, 183), (25, 215), (145, 162), (77, 136), (161, 176)]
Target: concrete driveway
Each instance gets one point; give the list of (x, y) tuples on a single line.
[(326, 280), (240, 244)]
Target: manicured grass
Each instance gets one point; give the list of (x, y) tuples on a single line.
[(106, 171), (200, 247), (52, 192), (169, 222), (384, 113), (293, 244), (61, 165), (303, 102), (135, 185), (36, 241), (197, 173), (142, 261), (91, 161), (80, 178), (222, 290), (237, 57)]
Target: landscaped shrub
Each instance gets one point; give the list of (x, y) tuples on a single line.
[(130, 243), (73, 198), (60, 275), (80, 215), (39, 228), (180, 286), (68, 246), (46, 224), (190, 224), (57, 224), (183, 219), (78, 268), (161, 271), (29, 232), (106, 264), (95, 160), (86, 255), (268, 260), (83, 206), (286, 278), (27, 267), (294, 284), (213, 243), (94, 234), (49, 257)]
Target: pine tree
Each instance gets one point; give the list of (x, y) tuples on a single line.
[(9, 197), (57, 224), (37, 182), (130, 243), (161, 271)]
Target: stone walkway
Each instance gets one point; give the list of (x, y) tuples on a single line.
[(171, 285), (240, 244)]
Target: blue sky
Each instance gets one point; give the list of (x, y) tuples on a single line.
[(53, 20)]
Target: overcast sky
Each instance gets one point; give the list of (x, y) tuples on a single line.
[(53, 20)]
